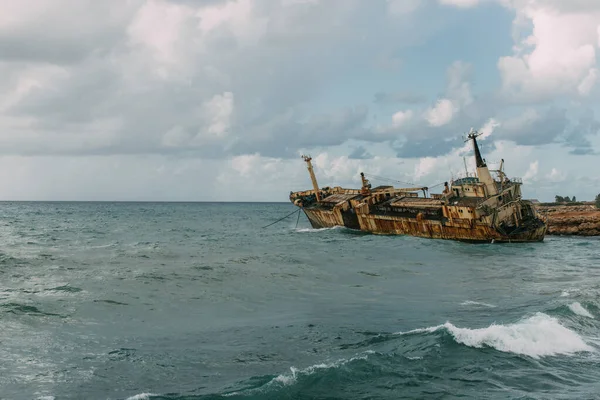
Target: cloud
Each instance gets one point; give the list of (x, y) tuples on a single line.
[(459, 3), (442, 113), (403, 6), (425, 167), (556, 176), (46, 31), (559, 56), (458, 92), (578, 137), (173, 90), (399, 97), (534, 128), (219, 110), (360, 153), (401, 117), (532, 172)]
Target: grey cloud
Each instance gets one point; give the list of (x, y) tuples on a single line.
[(63, 31), (535, 130), (552, 126), (360, 153), (399, 98), (578, 137), (428, 141), (110, 79), (283, 135)]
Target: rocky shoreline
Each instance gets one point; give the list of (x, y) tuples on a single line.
[(574, 220)]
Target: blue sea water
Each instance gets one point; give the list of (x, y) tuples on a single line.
[(196, 301)]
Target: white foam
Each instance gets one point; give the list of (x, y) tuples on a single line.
[(537, 336), (289, 379), (142, 396), (292, 377), (304, 230), (578, 309), (565, 293), (477, 303)]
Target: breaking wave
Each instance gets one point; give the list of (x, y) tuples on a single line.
[(578, 309), (295, 374), (142, 396), (292, 377), (536, 336)]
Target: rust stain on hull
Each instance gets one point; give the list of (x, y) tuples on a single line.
[(458, 230), (323, 218)]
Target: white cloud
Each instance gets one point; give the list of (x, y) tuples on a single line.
[(460, 3), (588, 82), (239, 17), (401, 117), (425, 167), (489, 127), (441, 114), (458, 95), (556, 175), (532, 172), (219, 110), (557, 58)]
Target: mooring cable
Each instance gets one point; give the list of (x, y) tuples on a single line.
[(281, 219)]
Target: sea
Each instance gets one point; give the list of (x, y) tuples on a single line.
[(202, 301)]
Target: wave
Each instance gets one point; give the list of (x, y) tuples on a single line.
[(292, 377), (142, 396), (477, 303), (22, 309), (289, 379), (536, 336), (332, 228), (578, 309)]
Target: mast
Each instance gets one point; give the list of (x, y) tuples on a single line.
[(483, 173), (313, 178), (366, 185)]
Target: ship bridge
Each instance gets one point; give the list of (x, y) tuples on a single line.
[(469, 180)]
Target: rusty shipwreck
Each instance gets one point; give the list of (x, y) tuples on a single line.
[(476, 208)]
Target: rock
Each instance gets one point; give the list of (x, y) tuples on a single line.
[(579, 220)]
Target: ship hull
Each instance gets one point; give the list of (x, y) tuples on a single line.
[(437, 229), (328, 218)]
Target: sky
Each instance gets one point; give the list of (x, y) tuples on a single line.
[(216, 100)]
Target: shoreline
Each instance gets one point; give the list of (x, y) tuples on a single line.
[(571, 220)]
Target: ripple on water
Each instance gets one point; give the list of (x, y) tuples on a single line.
[(24, 309)]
